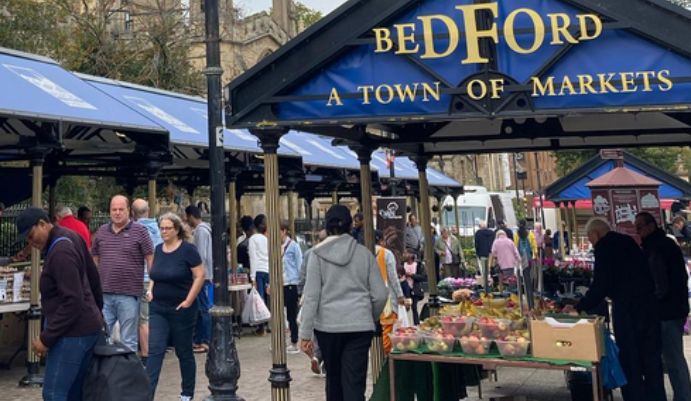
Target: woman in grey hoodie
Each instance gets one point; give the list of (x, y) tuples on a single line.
[(343, 297)]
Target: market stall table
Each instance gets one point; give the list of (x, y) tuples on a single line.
[(237, 302), (491, 363), (14, 307)]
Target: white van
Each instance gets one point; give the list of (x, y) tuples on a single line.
[(477, 204)]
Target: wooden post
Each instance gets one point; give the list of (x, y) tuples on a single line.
[(153, 203)]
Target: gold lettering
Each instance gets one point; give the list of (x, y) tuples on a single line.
[(497, 85), (510, 36), (334, 97), (383, 40), (627, 81), (428, 91), (547, 88), (472, 33), (483, 89), (567, 84), (407, 93), (366, 91), (428, 34), (605, 84), (646, 79), (663, 77), (560, 29), (404, 39), (389, 94), (583, 22), (585, 83)]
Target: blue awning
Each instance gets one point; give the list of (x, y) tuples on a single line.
[(573, 186), (185, 117), (38, 88), (405, 168), (319, 152)]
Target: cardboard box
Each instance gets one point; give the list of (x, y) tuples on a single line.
[(574, 339)]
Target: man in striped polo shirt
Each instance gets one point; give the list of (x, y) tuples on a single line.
[(120, 249)]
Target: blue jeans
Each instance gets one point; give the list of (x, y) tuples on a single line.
[(165, 322), (125, 310), (673, 357), (202, 332), (262, 280), (66, 365)]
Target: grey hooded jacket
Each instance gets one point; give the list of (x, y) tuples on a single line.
[(344, 291)]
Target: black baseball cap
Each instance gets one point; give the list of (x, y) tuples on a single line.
[(28, 219), (339, 212)]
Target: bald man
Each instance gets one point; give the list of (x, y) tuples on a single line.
[(120, 249), (621, 274)]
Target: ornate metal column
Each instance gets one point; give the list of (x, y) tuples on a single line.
[(33, 376), (425, 222), (279, 375), (222, 363)]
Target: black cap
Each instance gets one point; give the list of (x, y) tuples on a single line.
[(28, 219), (378, 235), (339, 212)]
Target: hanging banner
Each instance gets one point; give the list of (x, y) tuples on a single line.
[(391, 220)]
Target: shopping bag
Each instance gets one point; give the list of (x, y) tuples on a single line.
[(612, 372), (402, 320), (255, 311)]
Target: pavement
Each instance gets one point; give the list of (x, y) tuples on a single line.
[(255, 362)]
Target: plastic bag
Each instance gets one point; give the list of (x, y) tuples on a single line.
[(402, 320), (611, 370), (255, 310)]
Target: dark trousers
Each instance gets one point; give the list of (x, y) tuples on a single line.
[(66, 366), (345, 357), (637, 334), (165, 322), (290, 297), (202, 331)]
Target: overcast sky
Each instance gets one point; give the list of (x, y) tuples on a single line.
[(252, 6)]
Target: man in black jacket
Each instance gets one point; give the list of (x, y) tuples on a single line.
[(622, 275), (484, 237), (668, 268)]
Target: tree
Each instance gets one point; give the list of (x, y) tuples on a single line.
[(33, 27), (307, 16), (666, 158)]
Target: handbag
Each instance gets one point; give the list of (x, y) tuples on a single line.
[(455, 258)]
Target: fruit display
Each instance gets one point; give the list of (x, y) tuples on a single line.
[(475, 344), (494, 328), (457, 325), (513, 346), (405, 339), (440, 341), (431, 324)]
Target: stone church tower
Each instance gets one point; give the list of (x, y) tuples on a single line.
[(244, 40)]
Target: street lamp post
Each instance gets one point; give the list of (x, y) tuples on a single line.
[(222, 363)]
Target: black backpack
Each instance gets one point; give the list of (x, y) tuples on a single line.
[(116, 374)]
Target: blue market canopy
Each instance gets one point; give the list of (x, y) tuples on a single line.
[(458, 76), (573, 187), (317, 151), (43, 104), (185, 117), (404, 168)]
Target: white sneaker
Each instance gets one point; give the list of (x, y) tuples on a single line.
[(185, 398), (293, 349)]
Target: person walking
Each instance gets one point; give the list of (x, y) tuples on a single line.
[(484, 237), (243, 241), (668, 268), (414, 276), (539, 235), (84, 215), (177, 277), (258, 250), (292, 263), (526, 244), (65, 218), (413, 240), (120, 249), (561, 235), (547, 246), (71, 301), (201, 238), (506, 255), (621, 274), (316, 360), (358, 228), (450, 253), (140, 213), (343, 299), (387, 268)]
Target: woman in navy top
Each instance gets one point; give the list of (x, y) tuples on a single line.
[(177, 276)]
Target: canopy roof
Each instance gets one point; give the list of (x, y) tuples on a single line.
[(623, 177), (417, 75), (574, 187), (46, 107)]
